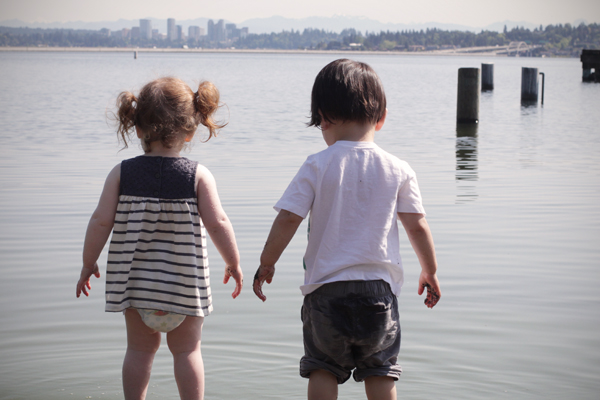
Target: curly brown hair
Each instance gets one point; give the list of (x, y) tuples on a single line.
[(167, 109)]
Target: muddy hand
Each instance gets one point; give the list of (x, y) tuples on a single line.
[(432, 296), (263, 273)]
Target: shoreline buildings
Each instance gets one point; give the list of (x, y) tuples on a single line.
[(145, 29), (216, 34), (221, 32)]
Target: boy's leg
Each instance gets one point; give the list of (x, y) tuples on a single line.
[(184, 343), (142, 344), (322, 385), (380, 388)]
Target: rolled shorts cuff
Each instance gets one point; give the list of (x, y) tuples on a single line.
[(393, 371), (308, 365)]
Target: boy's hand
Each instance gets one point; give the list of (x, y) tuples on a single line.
[(263, 273), (430, 281), (84, 279), (238, 276)]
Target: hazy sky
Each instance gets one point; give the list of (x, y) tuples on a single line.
[(464, 12)]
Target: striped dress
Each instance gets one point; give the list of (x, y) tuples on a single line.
[(157, 257)]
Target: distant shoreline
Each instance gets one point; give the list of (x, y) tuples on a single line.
[(454, 52)]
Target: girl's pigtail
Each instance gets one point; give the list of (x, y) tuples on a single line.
[(206, 101), (126, 110)]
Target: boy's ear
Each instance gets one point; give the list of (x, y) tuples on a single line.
[(324, 123), (380, 123)]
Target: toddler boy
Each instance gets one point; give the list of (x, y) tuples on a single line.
[(354, 192)]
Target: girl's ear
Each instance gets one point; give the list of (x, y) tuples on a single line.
[(189, 137), (380, 123)]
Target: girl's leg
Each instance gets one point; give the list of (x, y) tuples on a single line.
[(380, 388), (322, 385), (184, 343), (142, 344)]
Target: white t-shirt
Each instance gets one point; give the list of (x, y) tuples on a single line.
[(353, 191)]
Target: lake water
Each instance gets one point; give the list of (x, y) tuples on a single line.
[(513, 207)]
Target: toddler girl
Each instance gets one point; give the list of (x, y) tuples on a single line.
[(157, 206)]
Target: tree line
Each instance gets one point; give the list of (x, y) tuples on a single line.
[(551, 37)]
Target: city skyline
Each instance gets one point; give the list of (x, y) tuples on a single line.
[(474, 13), (218, 31)]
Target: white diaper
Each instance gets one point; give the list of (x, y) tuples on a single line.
[(161, 321)]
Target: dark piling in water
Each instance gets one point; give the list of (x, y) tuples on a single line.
[(590, 62), (529, 85), (487, 77), (467, 107)]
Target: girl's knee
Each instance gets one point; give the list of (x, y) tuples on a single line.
[(186, 337)]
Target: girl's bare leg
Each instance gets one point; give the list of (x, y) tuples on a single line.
[(142, 344), (322, 385), (380, 388), (184, 343)]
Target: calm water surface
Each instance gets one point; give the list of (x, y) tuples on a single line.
[(513, 205)]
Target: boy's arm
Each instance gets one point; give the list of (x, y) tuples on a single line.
[(98, 230), (219, 227), (284, 227), (421, 240)]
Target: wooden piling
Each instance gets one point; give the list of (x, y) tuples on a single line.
[(135, 55), (590, 60), (529, 84), (487, 77), (467, 105)]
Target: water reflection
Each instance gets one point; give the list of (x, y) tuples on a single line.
[(528, 104), (466, 162)]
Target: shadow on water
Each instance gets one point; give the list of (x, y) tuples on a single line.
[(466, 162)]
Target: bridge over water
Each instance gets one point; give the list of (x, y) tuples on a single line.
[(513, 49)]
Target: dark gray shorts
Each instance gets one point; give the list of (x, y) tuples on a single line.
[(351, 325)]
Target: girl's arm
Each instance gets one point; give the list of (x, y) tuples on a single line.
[(219, 227), (421, 240), (98, 230)]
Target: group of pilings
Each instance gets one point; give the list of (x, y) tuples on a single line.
[(472, 81)]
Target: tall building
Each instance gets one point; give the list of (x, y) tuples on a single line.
[(194, 32), (221, 35), (171, 29), (216, 32), (145, 29), (180, 35), (230, 31), (210, 31), (135, 32)]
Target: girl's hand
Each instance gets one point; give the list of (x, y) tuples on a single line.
[(84, 280), (263, 273), (238, 276)]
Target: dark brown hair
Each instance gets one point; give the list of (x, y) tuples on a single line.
[(347, 90), (166, 109)]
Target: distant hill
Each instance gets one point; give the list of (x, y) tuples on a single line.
[(337, 23)]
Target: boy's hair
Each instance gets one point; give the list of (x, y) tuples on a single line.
[(167, 109), (347, 90)]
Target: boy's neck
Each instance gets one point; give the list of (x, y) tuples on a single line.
[(348, 130)]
